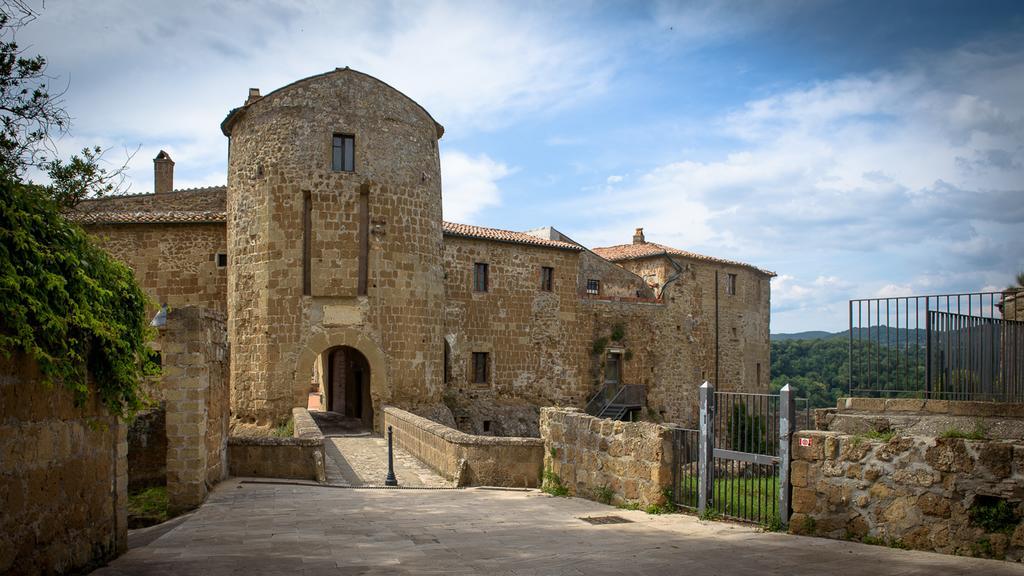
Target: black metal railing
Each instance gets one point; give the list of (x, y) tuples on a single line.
[(616, 400), (686, 468), (948, 346)]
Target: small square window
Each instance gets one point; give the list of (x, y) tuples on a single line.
[(547, 278), (480, 367), (343, 153), (222, 260), (730, 284), (480, 277), (593, 287)]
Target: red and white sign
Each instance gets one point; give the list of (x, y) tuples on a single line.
[(805, 441)]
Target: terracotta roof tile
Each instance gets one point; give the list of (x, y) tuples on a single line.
[(650, 249), (467, 231), (161, 217)]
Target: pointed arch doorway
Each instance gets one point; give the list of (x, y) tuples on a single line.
[(347, 384)]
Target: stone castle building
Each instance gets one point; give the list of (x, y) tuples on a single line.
[(328, 252)]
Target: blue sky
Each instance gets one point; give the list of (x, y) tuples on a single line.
[(856, 148)]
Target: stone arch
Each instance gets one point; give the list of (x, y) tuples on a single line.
[(380, 385)]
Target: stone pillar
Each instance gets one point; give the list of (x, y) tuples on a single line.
[(186, 380)]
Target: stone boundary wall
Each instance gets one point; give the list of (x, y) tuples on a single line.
[(910, 491), (466, 459), (921, 406), (147, 449), (632, 460), (300, 457), (63, 477), (194, 382)]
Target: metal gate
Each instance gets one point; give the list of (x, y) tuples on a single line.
[(737, 464)]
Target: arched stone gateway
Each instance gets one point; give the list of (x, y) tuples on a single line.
[(346, 356), (346, 384)]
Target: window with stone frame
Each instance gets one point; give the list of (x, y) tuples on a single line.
[(343, 153), (547, 278), (730, 284), (480, 367), (222, 260), (593, 287), (480, 280)]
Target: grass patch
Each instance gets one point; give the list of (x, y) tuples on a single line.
[(629, 506), (747, 497), (149, 503), (774, 524), (883, 436), (876, 541), (286, 430), (979, 433), (553, 484), (604, 494)]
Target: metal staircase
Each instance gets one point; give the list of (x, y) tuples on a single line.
[(616, 402)]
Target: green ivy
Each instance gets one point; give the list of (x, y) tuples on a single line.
[(67, 304)]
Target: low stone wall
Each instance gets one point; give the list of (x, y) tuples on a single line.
[(926, 493), (63, 477), (299, 457), (466, 459), (629, 461)]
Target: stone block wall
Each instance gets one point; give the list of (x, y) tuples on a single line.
[(920, 492), (195, 389), (300, 457), (631, 459), (466, 459), (63, 477), (175, 263)]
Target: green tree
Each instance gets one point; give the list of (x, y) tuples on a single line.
[(63, 301)]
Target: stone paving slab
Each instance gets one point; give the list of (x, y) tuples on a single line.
[(255, 529), (363, 461)]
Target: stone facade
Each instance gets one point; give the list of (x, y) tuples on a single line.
[(465, 459), (353, 262), (630, 461), (63, 479), (920, 492), (300, 457)]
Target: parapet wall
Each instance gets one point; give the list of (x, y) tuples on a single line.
[(63, 477), (943, 494), (464, 458), (628, 462), (300, 457)]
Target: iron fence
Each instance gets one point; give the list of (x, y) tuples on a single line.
[(948, 346), (686, 477)]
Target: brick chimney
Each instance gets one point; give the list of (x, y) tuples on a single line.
[(638, 236), (163, 173), (254, 95)]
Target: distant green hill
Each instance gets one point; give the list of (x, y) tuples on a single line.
[(811, 335), (884, 335)]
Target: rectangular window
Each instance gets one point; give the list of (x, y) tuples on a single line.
[(480, 367), (222, 260), (593, 287), (480, 277), (547, 278), (730, 284), (343, 153)]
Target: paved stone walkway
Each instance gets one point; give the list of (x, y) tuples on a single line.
[(363, 461), (357, 457), (256, 529)]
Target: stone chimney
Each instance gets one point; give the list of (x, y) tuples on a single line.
[(254, 95), (638, 236), (163, 173)]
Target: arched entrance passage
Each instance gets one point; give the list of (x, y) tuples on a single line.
[(314, 354), (347, 384)]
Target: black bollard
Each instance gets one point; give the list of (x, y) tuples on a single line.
[(390, 480)]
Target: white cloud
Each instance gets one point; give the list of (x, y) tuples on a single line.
[(470, 184), (614, 179), (152, 74)]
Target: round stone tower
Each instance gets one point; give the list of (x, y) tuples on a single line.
[(335, 249)]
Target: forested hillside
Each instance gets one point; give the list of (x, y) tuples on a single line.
[(816, 368)]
